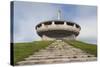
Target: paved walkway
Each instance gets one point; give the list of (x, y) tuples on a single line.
[(58, 52)]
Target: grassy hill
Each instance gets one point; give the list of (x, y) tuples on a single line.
[(23, 50), (89, 48)]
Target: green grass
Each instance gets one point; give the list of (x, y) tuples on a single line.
[(89, 48), (23, 50)]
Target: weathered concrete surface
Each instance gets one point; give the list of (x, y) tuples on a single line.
[(49, 30), (58, 52)]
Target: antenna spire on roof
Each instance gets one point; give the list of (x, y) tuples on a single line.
[(59, 14)]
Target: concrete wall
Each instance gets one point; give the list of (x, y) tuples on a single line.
[(71, 37), (58, 27), (43, 29)]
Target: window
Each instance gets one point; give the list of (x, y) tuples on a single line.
[(69, 23), (77, 26), (38, 26), (59, 22), (47, 23)]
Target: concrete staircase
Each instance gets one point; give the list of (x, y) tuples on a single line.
[(58, 52)]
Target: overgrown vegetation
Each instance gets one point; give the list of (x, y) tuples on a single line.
[(23, 50), (89, 48)]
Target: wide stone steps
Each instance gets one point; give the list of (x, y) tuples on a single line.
[(55, 60), (58, 52), (57, 57)]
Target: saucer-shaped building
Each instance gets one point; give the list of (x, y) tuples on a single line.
[(58, 29)]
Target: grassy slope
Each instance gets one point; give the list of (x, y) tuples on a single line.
[(23, 50), (89, 48)]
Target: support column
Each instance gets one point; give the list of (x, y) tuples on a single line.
[(65, 23), (74, 26), (43, 25), (53, 23)]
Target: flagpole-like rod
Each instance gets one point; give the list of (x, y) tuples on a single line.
[(59, 14)]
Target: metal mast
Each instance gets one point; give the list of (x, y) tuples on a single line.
[(59, 15)]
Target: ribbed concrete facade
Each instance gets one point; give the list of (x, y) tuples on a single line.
[(57, 29)]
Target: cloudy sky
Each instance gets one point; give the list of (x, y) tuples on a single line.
[(28, 14)]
